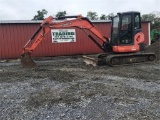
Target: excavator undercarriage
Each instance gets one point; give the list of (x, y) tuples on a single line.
[(103, 59), (120, 59)]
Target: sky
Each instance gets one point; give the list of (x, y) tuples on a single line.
[(26, 9)]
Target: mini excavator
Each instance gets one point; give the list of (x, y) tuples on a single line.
[(126, 45)]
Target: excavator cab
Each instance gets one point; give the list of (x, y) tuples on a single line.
[(124, 28)]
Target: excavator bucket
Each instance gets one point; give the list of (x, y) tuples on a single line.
[(26, 61)]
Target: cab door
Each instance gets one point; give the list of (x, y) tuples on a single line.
[(126, 30)]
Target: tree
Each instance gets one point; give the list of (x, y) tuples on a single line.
[(92, 15), (154, 18), (148, 17), (40, 15), (61, 14), (109, 16), (103, 17)]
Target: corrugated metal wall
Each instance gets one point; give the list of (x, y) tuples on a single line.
[(13, 36)]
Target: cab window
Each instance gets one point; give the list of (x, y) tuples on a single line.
[(126, 22), (137, 21), (126, 30)]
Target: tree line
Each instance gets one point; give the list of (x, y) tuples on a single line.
[(154, 18), (91, 15)]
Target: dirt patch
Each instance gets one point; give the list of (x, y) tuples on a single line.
[(155, 48)]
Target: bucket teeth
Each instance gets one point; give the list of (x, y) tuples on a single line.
[(26, 61)]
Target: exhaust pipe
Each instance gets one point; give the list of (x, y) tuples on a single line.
[(26, 61)]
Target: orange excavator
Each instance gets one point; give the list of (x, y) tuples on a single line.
[(124, 47)]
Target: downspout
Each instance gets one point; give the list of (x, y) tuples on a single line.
[(149, 34)]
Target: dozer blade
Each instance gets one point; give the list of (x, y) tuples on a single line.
[(26, 61), (90, 60), (94, 60)]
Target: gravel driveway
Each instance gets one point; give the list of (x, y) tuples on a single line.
[(64, 88)]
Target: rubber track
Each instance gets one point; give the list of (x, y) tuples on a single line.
[(132, 58)]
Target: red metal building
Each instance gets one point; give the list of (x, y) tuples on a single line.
[(15, 34)]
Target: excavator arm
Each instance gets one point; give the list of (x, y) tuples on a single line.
[(47, 25), (78, 21), (39, 35)]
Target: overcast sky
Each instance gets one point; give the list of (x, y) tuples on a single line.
[(26, 9)]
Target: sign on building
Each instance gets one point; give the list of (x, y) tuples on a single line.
[(63, 35)]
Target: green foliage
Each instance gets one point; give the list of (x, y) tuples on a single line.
[(103, 17), (155, 35), (92, 15), (40, 15), (109, 16), (61, 14)]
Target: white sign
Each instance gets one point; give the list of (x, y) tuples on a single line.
[(63, 35)]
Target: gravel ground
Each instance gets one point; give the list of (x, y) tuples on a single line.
[(64, 88)]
